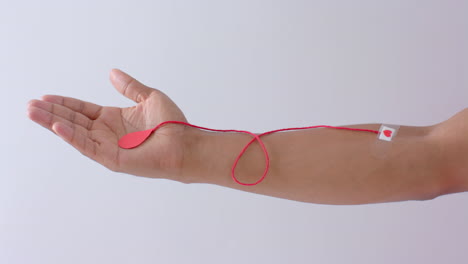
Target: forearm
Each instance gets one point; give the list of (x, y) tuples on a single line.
[(321, 165)]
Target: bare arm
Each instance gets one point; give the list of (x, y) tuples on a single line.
[(319, 165), (323, 165)]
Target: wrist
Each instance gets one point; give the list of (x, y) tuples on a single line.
[(209, 157), (200, 159)]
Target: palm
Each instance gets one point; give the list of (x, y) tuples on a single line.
[(95, 130)]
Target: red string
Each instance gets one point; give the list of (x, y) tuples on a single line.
[(257, 137)]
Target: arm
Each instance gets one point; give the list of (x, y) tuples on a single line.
[(322, 165), (319, 165)]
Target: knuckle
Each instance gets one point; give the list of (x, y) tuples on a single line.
[(89, 125), (139, 98), (72, 116), (127, 86), (81, 107)]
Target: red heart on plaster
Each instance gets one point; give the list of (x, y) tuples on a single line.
[(387, 133)]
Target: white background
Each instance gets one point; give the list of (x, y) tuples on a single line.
[(252, 65)]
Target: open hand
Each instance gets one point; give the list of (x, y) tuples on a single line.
[(94, 130)]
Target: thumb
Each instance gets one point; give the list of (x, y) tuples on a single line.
[(129, 86)]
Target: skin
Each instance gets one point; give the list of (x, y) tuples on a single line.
[(94, 130), (317, 165)]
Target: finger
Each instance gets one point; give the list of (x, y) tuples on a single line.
[(88, 109), (82, 142), (47, 119), (64, 112), (77, 136), (129, 86)]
